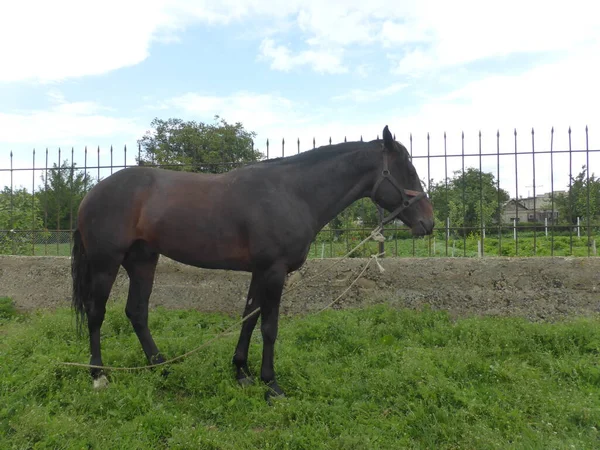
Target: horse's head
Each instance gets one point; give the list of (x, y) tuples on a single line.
[(398, 188)]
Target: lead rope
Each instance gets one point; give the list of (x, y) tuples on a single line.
[(375, 234)]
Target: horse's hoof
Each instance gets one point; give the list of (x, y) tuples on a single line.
[(274, 392), (101, 382), (271, 396), (246, 381)]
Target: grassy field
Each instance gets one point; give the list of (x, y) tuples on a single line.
[(421, 247), (356, 379), (429, 246)]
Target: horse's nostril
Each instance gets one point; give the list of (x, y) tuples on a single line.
[(427, 225)]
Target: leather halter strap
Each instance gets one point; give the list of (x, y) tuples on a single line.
[(409, 197)]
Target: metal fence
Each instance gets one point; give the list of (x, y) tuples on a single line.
[(476, 183)]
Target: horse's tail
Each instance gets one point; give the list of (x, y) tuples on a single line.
[(80, 272)]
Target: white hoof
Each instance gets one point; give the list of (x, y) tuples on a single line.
[(100, 382)]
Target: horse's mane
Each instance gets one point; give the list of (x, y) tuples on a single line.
[(315, 155)]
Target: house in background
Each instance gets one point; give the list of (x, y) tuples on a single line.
[(530, 209)]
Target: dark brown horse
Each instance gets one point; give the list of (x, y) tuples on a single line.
[(260, 218)]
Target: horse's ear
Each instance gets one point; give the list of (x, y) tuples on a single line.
[(388, 140)]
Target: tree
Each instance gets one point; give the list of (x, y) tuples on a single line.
[(19, 214), (470, 200), (575, 204), (60, 194), (197, 146)]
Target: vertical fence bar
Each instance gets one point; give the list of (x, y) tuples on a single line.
[(394, 223), (534, 194), (33, 226), (46, 204), (499, 220), (516, 198), (428, 185), (98, 179), (481, 222), (267, 148), (71, 202), (570, 196), (85, 153), (411, 157), (222, 167), (125, 157), (381, 244), (282, 147), (58, 176), (111, 159), (12, 205), (464, 202), (446, 183), (552, 190), (298, 146), (587, 170)]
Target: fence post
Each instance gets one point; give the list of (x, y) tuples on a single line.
[(381, 244), (12, 201), (33, 227)]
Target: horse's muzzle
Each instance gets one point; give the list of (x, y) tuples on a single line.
[(423, 227)]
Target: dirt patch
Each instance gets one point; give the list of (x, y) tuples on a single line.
[(536, 288)]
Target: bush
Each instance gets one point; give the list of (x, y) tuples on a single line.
[(7, 308)]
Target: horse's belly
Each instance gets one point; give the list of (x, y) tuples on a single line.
[(209, 253)]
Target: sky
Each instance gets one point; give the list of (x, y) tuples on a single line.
[(76, 74)]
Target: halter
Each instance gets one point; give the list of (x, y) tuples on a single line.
[(408, 196)]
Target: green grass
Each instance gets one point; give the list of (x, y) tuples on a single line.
[(52, 249), (428, 246), (323, 246), (375, 378)]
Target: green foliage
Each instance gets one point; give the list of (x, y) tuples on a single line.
[(7, 308), (470, 199), (373, 378), (574, 204), (19, 213), (197, 146), (61, 192), (399, 243)]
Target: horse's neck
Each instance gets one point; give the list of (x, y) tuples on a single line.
[(332, 185)]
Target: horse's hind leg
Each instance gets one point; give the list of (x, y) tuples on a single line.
[(140, 264), (240, 358), (102, 278)]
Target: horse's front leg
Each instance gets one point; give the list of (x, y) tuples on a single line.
[(270, 290)]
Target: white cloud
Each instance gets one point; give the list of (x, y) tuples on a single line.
[(274, 117), (559, 95), (554, 94), (320, 60), (253, 110), (68, 38), (364, 95), (65, 123), (468, 30)]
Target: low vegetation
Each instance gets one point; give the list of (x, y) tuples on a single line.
[(375, 378)]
